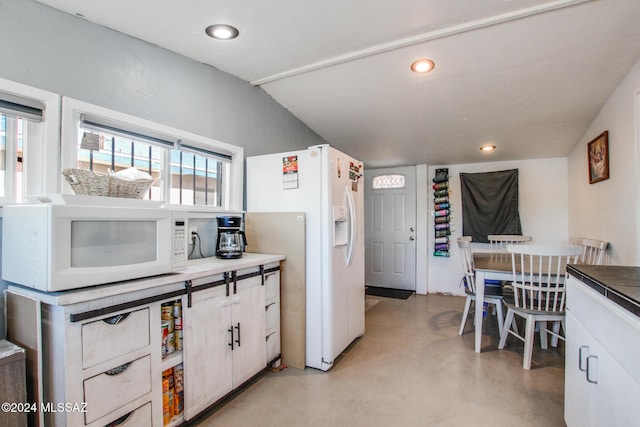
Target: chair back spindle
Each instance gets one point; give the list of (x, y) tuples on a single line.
[(593, 251), (499, 242), (539, 275)]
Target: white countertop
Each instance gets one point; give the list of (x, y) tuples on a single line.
[(148, 286)]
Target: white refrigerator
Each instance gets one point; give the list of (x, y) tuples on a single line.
[(328, 186)]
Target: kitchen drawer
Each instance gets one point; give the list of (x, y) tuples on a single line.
[(104, 339), (272, 316), (110, 390), (140, 417), (272, 285)]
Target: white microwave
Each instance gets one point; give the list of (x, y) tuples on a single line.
[(55, 247)]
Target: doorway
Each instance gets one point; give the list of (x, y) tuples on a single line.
[(390, 227)]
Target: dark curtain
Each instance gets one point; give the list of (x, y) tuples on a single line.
[(490, 204)]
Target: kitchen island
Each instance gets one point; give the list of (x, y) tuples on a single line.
[(103, 351), (602, 369)]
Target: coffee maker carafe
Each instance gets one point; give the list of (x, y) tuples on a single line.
[(231, 240)]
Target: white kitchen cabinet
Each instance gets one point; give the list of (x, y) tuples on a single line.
[(95, 369), (602, 374), (103, 346), (224, 341)]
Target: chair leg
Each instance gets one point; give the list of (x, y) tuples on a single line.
[(529, 335), (543, 335), (556, 331), (467, 305), (500, 315), (504, 333)]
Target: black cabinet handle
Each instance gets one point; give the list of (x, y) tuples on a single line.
[(238, 329), (230, 330)]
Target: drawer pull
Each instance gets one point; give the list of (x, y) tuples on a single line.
[(117, 319), (122, 420), (581, 358), (118, 370)]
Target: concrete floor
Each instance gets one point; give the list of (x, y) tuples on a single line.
[(411, 368)]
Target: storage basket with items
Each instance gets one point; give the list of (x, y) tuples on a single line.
[(128, 183)]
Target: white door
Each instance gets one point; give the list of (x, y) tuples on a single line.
[(390, 222)]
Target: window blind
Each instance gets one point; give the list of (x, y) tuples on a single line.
[(100, 124), (24, 108)]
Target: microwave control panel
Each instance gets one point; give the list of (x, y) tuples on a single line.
[(179, 244)]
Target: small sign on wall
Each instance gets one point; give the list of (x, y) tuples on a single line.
[(90, 141), (289, 172)]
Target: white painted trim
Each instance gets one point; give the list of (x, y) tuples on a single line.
[(73, 108), (636, 131), (422, 229), (420, 38), (42, 152)]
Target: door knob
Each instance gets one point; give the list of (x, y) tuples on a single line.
[(412, 238), (411, 229)]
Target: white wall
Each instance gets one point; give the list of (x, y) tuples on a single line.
[(608, 210), (543, 193)]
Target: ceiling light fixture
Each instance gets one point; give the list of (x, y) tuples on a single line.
[(422, 66), (488, 148), (222, 31)]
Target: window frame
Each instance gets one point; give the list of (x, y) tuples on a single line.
[(73, 109), (40, 166)]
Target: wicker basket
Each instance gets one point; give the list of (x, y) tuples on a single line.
[(88, 183)]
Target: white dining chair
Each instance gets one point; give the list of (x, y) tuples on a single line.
[(539, 275), (493, 294), (593, 251), (499, 242)]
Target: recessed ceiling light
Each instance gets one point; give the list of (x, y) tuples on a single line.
[(488, 148), (422, 66), (222, 31)]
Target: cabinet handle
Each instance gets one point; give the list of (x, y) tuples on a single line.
[(117, 319), (581, 365), (226, 282), (267, 307), (230, 330), (235, 281), (118, 370), (238, 340), (592, 361)]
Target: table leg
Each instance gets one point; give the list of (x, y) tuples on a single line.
[(479, 308)]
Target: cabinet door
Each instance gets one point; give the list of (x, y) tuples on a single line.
[(578, 392), (206, 350), (248, 320)]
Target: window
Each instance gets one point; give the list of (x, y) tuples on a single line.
[(188, 169), (28, 141), (382, 182)]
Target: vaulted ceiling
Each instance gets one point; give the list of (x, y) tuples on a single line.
[(527, 76)]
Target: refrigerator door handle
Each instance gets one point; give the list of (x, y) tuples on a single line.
[(352, 226)]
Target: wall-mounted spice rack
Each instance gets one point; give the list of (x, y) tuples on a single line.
[(442, 213)]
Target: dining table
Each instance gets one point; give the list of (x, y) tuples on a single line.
[(496, 266), (488, 265)]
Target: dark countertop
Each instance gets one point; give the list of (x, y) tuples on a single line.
[(619, 284)]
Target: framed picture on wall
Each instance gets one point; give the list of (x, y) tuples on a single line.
[(598, 156)]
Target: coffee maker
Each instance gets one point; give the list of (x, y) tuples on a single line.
[(231, 240)]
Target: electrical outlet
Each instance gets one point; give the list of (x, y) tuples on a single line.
[(193, 229)]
